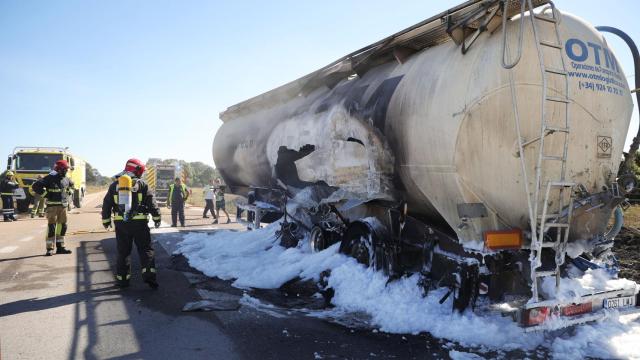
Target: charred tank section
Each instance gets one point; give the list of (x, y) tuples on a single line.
[(409, 152)]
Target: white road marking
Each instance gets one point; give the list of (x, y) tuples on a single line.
[(28, 238), (8, 249)]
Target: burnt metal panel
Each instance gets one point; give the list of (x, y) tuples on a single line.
[(472, 210)]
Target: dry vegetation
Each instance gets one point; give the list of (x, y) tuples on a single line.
[(91, 189), (627, 245)]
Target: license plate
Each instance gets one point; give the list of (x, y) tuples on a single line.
[(620, 302)]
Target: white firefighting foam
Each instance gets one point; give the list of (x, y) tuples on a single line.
[(255, 259)]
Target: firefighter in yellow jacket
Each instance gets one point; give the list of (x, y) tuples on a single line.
[(130, 202)]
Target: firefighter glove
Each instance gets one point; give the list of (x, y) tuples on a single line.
[(157, 224)]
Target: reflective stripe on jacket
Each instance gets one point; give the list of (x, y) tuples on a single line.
[(184, 193)]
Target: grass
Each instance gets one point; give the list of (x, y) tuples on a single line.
[(197, 199), (632, 216)]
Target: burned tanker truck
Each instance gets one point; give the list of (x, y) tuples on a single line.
[(480, 148)]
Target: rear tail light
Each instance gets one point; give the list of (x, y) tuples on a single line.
[(577, 309), (503, 239), (536, 316)]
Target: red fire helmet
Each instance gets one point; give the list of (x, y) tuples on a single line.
[(135, 166), (61, 165)]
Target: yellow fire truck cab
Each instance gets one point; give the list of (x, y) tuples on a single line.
[(29, 162)]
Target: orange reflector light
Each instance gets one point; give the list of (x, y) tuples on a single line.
[(504, 239), (577, 309)]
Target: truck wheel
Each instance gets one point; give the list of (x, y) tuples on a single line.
[(22, 205), (387, 261), (317, 240), (77, 198), (358, 242)]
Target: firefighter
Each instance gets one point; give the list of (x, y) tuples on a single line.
[(55, 188), (176, 201), (131, 205), (7, 186), (220, 205), (38, 202)]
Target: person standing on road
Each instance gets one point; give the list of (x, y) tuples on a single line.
[(132, 226), (220, 205), (55, 187), (208, 199), (38, 202), (178, 195), (7, 186)]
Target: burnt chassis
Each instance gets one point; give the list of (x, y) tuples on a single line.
[(383, 235)]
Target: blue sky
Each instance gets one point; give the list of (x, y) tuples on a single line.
[(147, 78)]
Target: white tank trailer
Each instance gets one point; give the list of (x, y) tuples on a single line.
[(480, 148)]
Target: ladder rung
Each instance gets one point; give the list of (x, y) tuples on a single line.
[(558, 129), (558, 99), (556, 225), (556, 71), (562, 183), (559, 158), (545, 273), (548, 216), (549, 244), (551, 44), (547, 19)]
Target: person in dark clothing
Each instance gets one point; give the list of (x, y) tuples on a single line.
[(130, 207), (55, 188), (178, 195), (7, 186), (38, 202)]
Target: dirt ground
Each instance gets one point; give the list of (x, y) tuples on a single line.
[(627, 245)]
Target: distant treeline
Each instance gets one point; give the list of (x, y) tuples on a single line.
[(198, 173)]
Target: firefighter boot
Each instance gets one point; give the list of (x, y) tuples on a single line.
[(149, 277), (49, 252), (62, 250), (122, 281)]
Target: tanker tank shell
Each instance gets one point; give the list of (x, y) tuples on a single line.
[(439, 129)]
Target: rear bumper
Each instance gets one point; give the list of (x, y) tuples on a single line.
[(580, 319), (558, 318)]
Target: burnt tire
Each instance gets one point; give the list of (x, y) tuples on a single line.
[(359, 242), (317, 239)]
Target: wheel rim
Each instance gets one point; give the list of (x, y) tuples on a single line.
[(360, 251), (316, 240)]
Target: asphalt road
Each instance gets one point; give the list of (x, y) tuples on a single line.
[(67, 307)]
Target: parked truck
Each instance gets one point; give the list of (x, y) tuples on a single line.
[(159, 175), (479, 148), (29, 162)]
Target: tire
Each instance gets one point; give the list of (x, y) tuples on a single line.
[(77, 198), (317, 240), (23, 205), (367, 243), (358, 242)]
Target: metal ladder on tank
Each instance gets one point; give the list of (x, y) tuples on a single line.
[(552, 216)]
